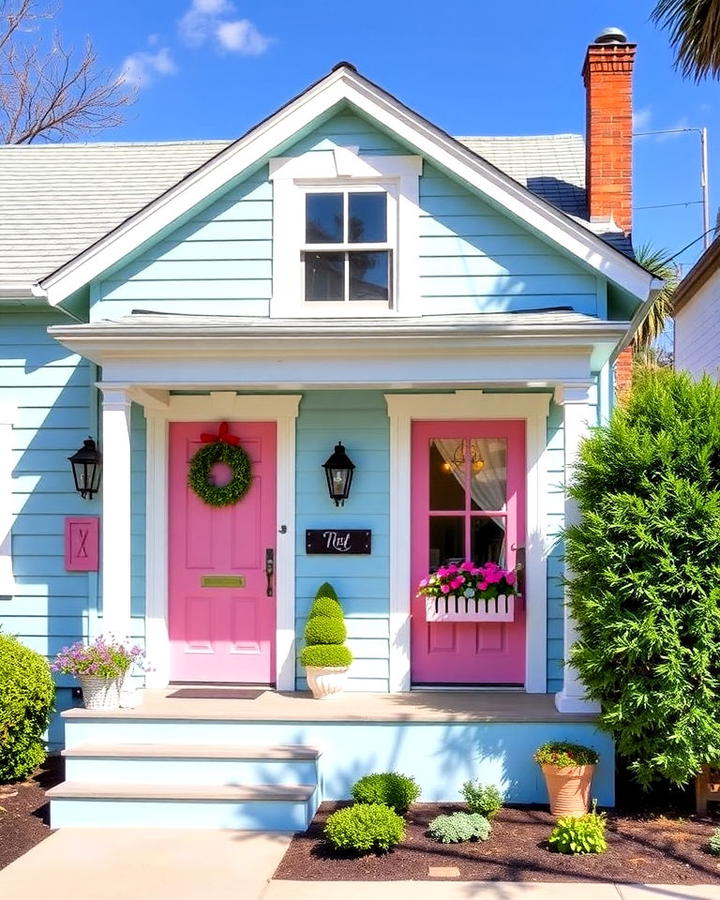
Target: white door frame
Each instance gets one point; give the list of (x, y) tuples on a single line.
[(217, 406), (403, 409)]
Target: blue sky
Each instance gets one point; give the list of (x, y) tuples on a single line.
[(213, 68)]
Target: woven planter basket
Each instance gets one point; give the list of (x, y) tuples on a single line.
[(100, 693)]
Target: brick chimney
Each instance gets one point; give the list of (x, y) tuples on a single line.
[(607, 73)]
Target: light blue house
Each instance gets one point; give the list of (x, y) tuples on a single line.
[(448, 309)]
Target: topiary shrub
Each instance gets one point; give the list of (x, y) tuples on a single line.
[(459, 827), (27, 694), (365, 828), (391, 788), (645, 591), (325, 632), (579, 834), (484, 799)]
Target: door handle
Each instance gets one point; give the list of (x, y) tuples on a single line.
[(269, 570), (520, 567)]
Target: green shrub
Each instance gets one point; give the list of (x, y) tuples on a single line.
[(323, 630), (27, 694), (459, 827), (484, 799), (391, 788), (579, 834), (645, 591), (326, 655), (563, 754), (713, 845), (365, 828)]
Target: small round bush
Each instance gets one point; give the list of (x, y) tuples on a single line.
[(563, 754), (391, 788), (323, 630), (27, 693), (459, 827), (336, 655), (365, 828), (714, 843), (579, 834), (484, 799)]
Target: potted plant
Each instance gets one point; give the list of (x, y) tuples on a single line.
[(568, 770), (325, 656), (100, 667), (469, 593)]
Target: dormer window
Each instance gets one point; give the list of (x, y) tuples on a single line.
[(347, 256)]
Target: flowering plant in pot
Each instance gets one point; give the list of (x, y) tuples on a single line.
[(100, 667), (467, 592), (325, 656), (568, 770)]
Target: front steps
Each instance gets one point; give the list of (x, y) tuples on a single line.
[(273, 788)]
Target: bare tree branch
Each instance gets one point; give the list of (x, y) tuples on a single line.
[(51, 95)]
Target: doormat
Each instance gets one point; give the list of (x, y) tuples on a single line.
[(216, 694)]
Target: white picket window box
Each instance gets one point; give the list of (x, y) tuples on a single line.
[(452, 608)]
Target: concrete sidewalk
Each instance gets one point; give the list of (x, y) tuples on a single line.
[(486, 890)]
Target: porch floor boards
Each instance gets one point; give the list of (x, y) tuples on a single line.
[(415, 706)]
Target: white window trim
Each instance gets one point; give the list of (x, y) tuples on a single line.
[(219, 405), (342, 168), (8, 417), (403, 410)]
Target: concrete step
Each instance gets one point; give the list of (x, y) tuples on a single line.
[(196, 764), (254, 807)]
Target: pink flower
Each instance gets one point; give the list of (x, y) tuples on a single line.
[(445, 588), (467, 566), (457, 582), (510, 578), (482, 585), (424, 582), (451, 570)]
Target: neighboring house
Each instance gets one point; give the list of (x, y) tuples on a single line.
[(447, 308), (695, 310)]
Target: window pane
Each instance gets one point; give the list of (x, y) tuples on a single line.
[(367, 218), (447, 540), (447, 474), (488, 469), (324, 218), (324, 276), (369, 276), (487, 539)]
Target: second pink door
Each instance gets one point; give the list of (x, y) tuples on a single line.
[(221, 600)]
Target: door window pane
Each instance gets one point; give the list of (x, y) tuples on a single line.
[(324, 218), (487, 539), (488, 473), (447, 540), (369, 276), (367, 218), (446, 475), (324, 276)]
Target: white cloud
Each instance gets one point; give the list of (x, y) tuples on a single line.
[(211, 20), (140, 68), (641, 119)]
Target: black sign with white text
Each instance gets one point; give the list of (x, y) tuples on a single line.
[(338, 540)]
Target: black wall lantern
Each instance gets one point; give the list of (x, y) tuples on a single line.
[(339, 473), (86, 468)]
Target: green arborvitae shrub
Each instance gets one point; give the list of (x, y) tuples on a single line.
[(645, 590), (365, 828), (459, 827), (391, 788), (27, 694), (713, 845), (484, 799), (325, 632), (579, 834)]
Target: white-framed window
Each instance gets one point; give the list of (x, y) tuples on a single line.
[(344, 234)]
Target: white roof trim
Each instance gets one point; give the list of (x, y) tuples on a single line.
[(346, 85)]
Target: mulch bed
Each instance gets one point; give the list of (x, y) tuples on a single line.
[(24, 811), (641, 848)]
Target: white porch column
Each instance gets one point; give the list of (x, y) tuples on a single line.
[(116, 490), (579, 403)]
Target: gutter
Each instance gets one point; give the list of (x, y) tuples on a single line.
[(655, 287)]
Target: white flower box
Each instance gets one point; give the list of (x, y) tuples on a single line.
[(452, 608)]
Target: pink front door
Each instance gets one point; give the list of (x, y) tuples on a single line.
[(468, 502), (221, 616)]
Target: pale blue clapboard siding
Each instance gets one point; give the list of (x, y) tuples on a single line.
[(359, 419), (348, 130)]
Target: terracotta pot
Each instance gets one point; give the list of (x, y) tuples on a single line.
[(326, 681), (568, 789)]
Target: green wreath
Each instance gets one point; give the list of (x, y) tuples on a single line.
[(199, 474)]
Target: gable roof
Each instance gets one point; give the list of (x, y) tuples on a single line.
[(222, 163)]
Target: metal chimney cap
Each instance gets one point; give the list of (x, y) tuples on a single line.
[(611, 36)]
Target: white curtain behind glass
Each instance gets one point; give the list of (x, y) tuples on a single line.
[(487, 487)]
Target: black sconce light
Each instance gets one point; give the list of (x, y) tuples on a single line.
[(339, 473), (86, 468)]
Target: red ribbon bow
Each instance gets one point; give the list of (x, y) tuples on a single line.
[(223, 436)]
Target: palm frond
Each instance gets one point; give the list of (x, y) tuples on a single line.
[(656, 261), (694, 27)]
